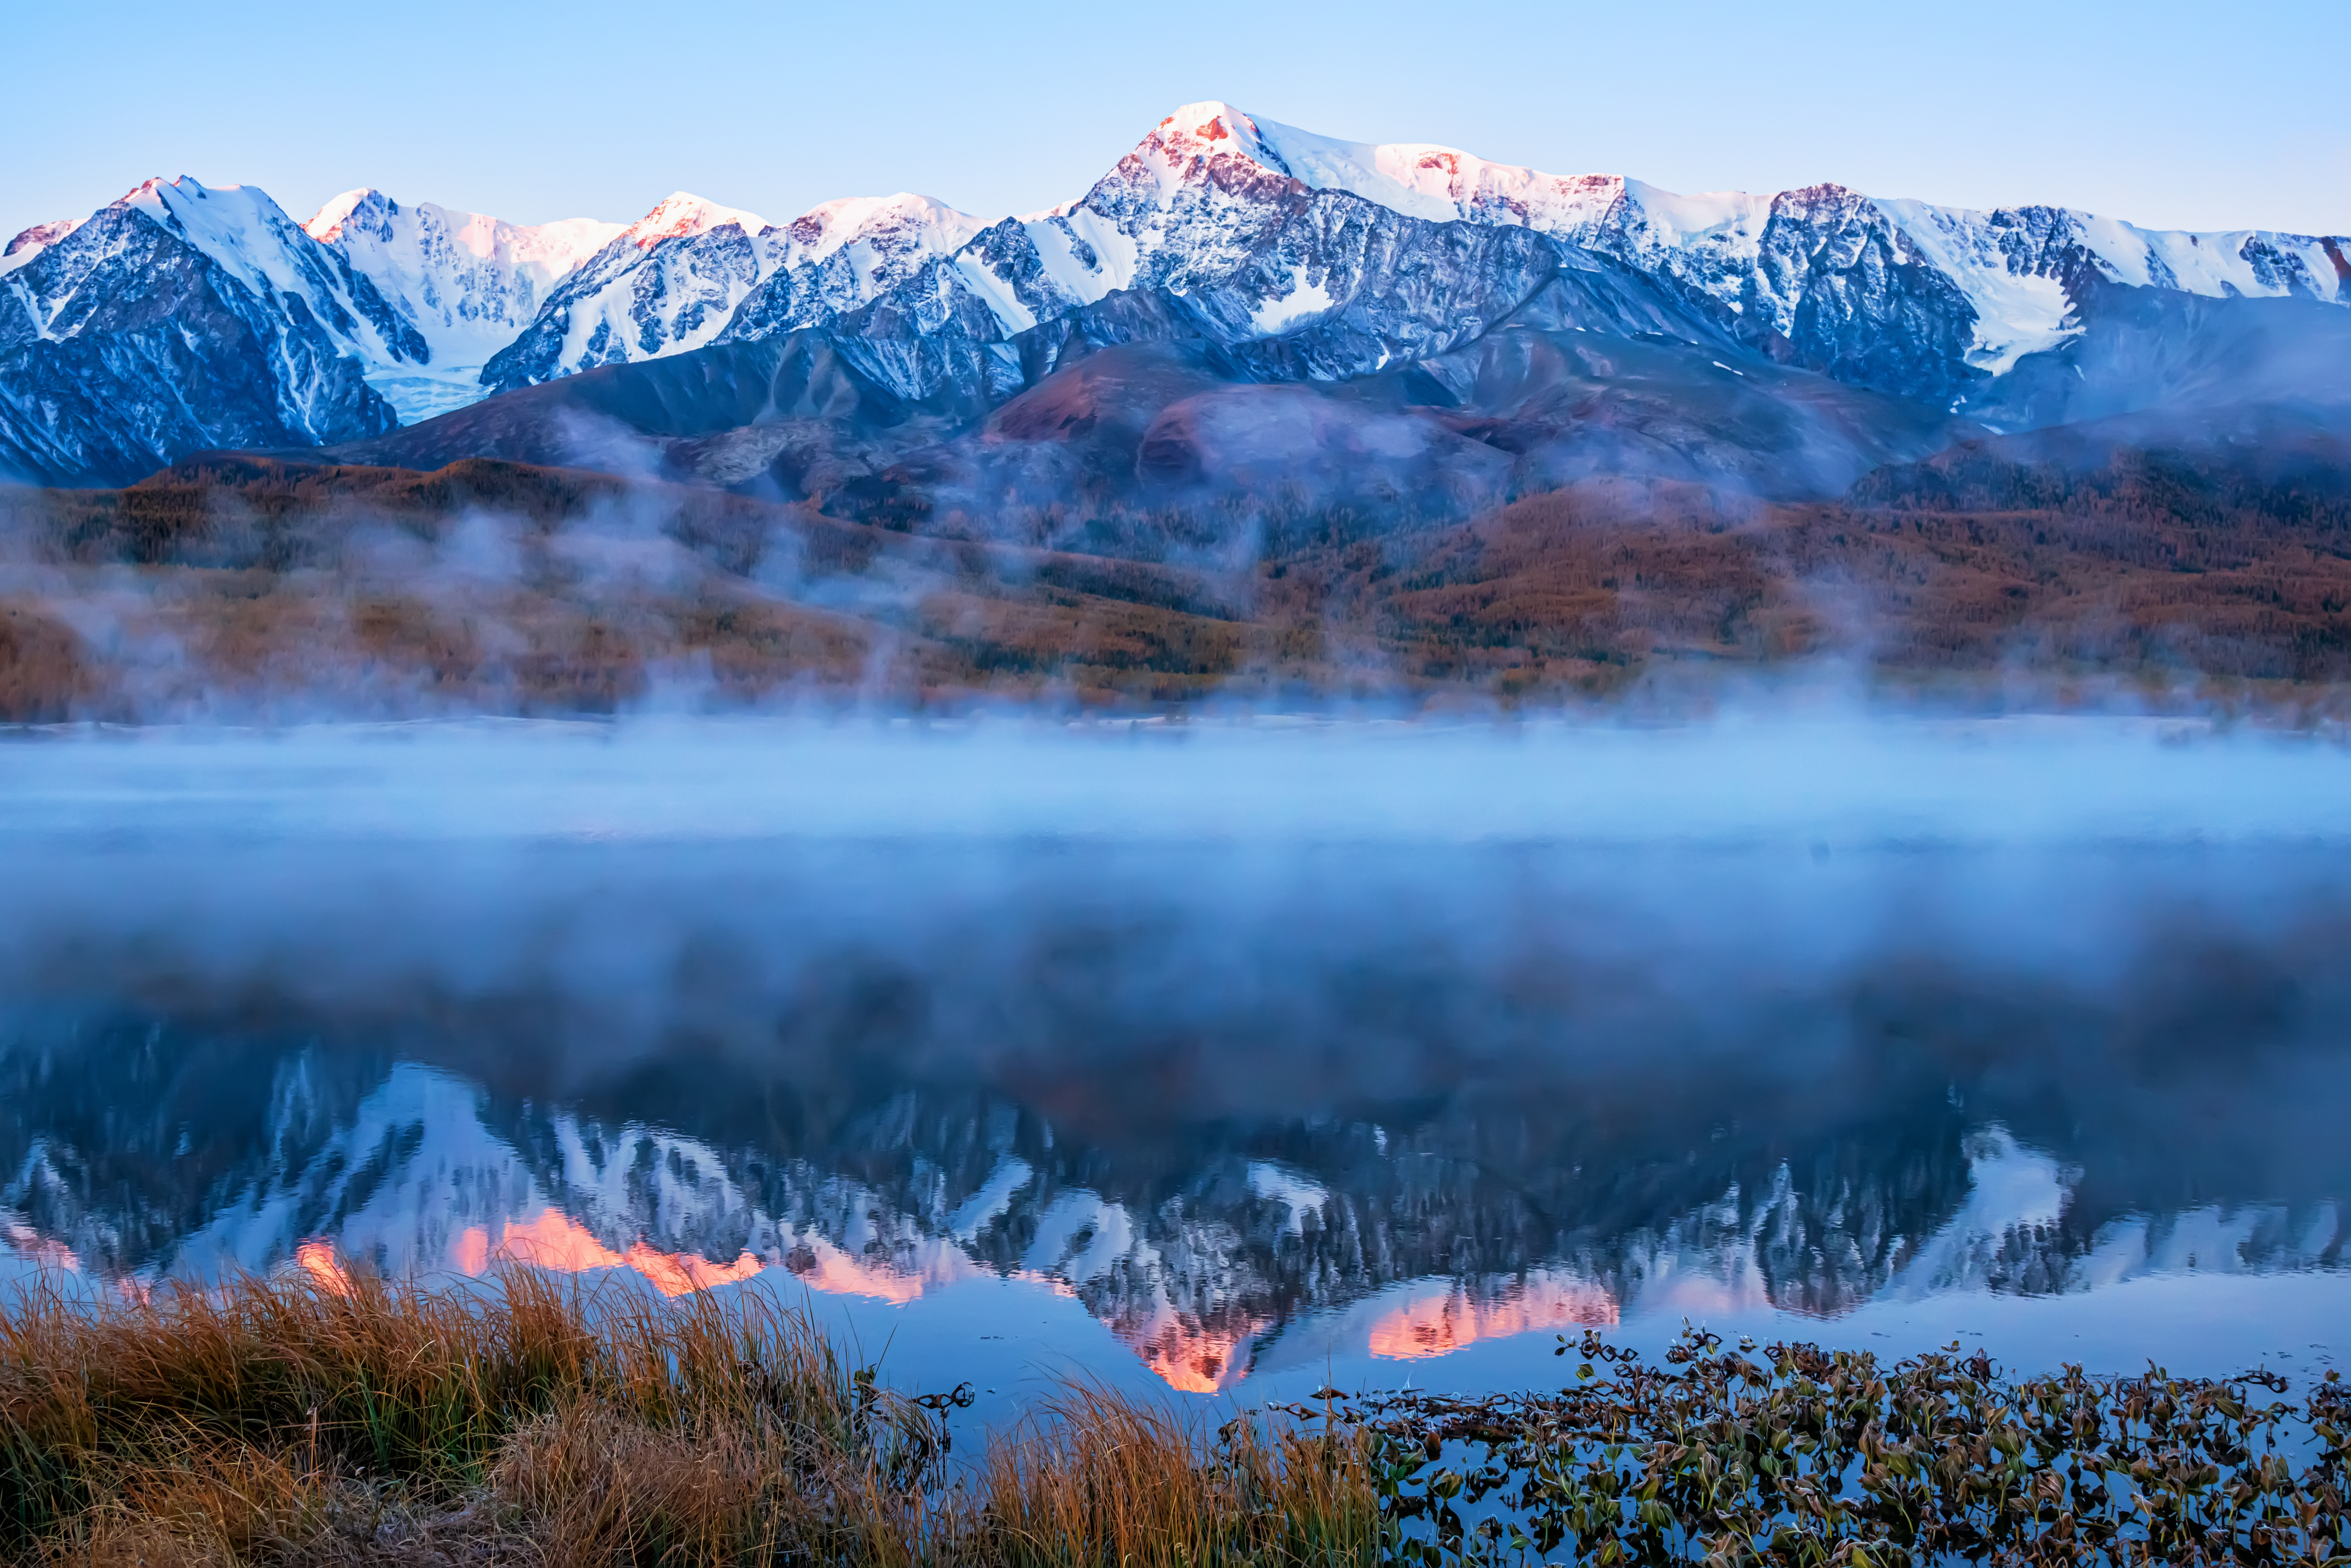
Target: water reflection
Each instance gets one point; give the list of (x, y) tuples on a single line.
[(1239, 1108)]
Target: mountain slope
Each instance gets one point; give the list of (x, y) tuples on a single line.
[(1153, 399), (468, 283), (179, 318)]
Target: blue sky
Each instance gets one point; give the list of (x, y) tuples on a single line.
[(2171, 115)]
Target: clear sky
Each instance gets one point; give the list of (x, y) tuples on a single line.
[(2172, 115)]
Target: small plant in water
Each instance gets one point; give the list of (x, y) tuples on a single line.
[(1796, 1455)]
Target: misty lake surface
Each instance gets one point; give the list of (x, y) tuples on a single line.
[(1227, 1058)]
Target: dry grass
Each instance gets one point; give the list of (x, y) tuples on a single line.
[(276, 1422), (1093, 1478)]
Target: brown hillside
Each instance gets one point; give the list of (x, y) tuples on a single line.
[(490, 585)]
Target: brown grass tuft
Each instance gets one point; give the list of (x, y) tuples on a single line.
[(1093, 1478), (348, 1420)]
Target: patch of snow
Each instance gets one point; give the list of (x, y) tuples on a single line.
[(1080, 1237), (1303, 300), (2012, 1188), (997, 292), (983, 1207), (1298, 1194)]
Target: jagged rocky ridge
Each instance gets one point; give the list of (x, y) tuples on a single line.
[(1342, 260)]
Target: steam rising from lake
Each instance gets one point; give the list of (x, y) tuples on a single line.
[(1551, 995), (1854, 783)]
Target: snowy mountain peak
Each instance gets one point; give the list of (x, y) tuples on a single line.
[(148, 195), (1208, 128), (1420, 179), (30, 243), (240, 228), (327, 225), (250, 239), (233, 223), (827, 228), (684, 213), (41, 234)]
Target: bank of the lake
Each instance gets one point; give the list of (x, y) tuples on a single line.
[(332, 1418)]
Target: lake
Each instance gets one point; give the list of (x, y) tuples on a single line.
[(1224, 1058)]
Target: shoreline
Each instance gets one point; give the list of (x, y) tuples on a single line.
[(348, 1420)]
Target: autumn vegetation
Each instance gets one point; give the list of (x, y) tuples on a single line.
[(280, 1422), (254, 585)]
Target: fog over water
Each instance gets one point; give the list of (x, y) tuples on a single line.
[(1224, 1055)]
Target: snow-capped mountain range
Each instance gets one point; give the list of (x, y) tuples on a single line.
[(690, 270), (182, 317)]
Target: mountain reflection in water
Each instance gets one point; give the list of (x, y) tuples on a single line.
[(1410, 1099)]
